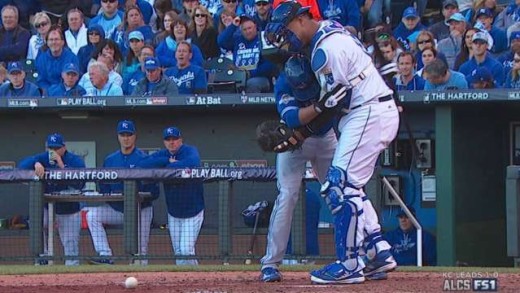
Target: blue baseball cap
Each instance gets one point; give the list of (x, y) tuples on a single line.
[(14, 66), (70, 67), (457, 17), (136, 35), (410, 12), (481, 74), (55, 140), (125, 126), (403, 214), (485, 11), (514, 36), (171, 131), (151, 63)]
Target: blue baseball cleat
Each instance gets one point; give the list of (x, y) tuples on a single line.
[(336, 273), (270, 275), (383, 262)]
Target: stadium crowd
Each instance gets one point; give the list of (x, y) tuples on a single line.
[(151, 47)]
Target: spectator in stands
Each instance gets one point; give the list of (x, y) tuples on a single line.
[(451, 46), (185, 200), (154, 84), (441, 29), (439, 77), (345, 12), (481, 78), (69, 86), (509, 16), (50, 63), (387, 49), (262, 16), (230, 6), (27, 9), (131, 63), (481, 57), (113, 76), (95, 34), (407, 79), (466, 51), (111, 213), (225, 20), (426, 40), (107, 46), (246, 53), (188, 9), (110, 17), (375, 11), (76, 35), (3, 75), (485, 16), (513, 76), (404, 242), (130, 81), (18, 86), (56, 9), (145, 6), (98, 72), (14, 39), (166, 49), (478, 5), (68, 218), (190, 79), (203, 34), (506, 59), (168, 18), (410, 23), (427, 57), (42, 24), (132, 22), (161, 7)]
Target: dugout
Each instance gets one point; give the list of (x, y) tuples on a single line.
[(472, 136)]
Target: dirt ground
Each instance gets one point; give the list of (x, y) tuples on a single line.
[(220, 282)]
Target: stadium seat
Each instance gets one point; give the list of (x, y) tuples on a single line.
[(227, 81), (28, 65), (218, 64)]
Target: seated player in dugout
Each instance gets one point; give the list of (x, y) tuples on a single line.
[(403, 240)]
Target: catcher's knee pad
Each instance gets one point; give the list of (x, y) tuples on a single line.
[(371, 241), (346, 230), (334, 188)]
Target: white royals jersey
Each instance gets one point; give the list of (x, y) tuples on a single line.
[(339, 58)]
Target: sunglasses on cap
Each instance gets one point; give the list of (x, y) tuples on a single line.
[(41, 24)]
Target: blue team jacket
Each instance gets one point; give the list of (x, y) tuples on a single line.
[(184, 199), (404, 247), (59, 90), (29, 89), (71, 161), (50, 67), (490, 63), (119, 160)]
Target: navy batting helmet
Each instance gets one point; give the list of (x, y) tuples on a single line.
[(276, 30), (300, 77)]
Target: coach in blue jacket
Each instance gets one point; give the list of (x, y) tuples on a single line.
[(67, 213), (185, 200), (404, 243)]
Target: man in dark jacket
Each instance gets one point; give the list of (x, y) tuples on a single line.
[(18, 86), (69, 86), (14, 39), (154, 84)]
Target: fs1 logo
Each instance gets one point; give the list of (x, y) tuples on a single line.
[(485, 284)]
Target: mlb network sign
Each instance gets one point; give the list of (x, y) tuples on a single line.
[(475, 284)]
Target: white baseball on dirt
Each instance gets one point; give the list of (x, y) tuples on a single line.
[(131, 283)]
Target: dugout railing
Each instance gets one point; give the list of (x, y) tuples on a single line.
[(224, 180)]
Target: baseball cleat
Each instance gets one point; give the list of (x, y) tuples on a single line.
[(101, 261), (382, 262), (336, 273), (377, 276), (270, 275)]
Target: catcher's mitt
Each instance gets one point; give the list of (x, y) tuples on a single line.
[(273, 136)]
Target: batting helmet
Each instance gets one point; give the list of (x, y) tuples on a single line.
[(300, 77)]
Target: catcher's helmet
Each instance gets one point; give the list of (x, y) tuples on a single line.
[(287, 11), (300, 77)]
